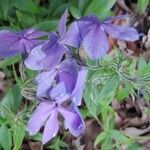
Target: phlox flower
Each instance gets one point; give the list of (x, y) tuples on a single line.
[(62, 84), (91, 34), (46, 114), (12, 43), (50, 54)]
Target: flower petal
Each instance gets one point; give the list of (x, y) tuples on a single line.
[(51, 127), (73, 120), (46, 56), (68, 79), (31, 38), (86, 24), (7, 41), (78, 90), (35, 56), (39, 117), (59, 93), (54, 52), (95, 43), (121, 32), (72, 37), (44, 82), (62, 24), (33, 33), (68, 74)]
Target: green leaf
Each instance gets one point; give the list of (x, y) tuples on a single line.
[(90, 94), (53, 5), (18, 136), (75, 12), (143, 67), (12, 98), (100, 137), (5, 138), (122, 93), (99, 7), (47, 25), (83, 5), (10, 61), (109, 89), (26, 5), (5, 6), (134, 146), (60, 10), (25, 19), (37, 137), (119, 137), (142, 5)]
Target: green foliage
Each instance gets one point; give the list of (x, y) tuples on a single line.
[(10, 61), (27, 6), (5, 137), (18, 135), (111, 78), (142, 5), (57, 144), (12, 98), (100, 7), (12, 126), (20, 14)]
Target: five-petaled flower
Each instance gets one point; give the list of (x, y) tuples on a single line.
[(12, 43), (47, 114), (57, 86), (50, 54), (91, 34)]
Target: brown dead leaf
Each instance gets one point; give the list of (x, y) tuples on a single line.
[(134, 132)]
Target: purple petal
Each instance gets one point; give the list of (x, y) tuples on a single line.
[(4, 54), (8, 45), (68, 74), (62, 24), (59, 93), (46, 56), (78, 90), (39, 117), (73, 120), (69, 65), (53, 57), (54, 52), (35, 56), (33, 33), (12, 43), (68, 79), (86, 24), (95, 43), (51, 127), (72, 37), (31, 38), (121, 32), (44, 82)]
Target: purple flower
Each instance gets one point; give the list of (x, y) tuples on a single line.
[(65, 81), (12, 43), (62, 84), (91, 34), (50, 54), (47, 114)]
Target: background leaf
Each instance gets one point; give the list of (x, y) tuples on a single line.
[(99, 7), (18, 136), (5, 137)]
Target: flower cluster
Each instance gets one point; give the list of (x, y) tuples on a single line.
[(60, 80)]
